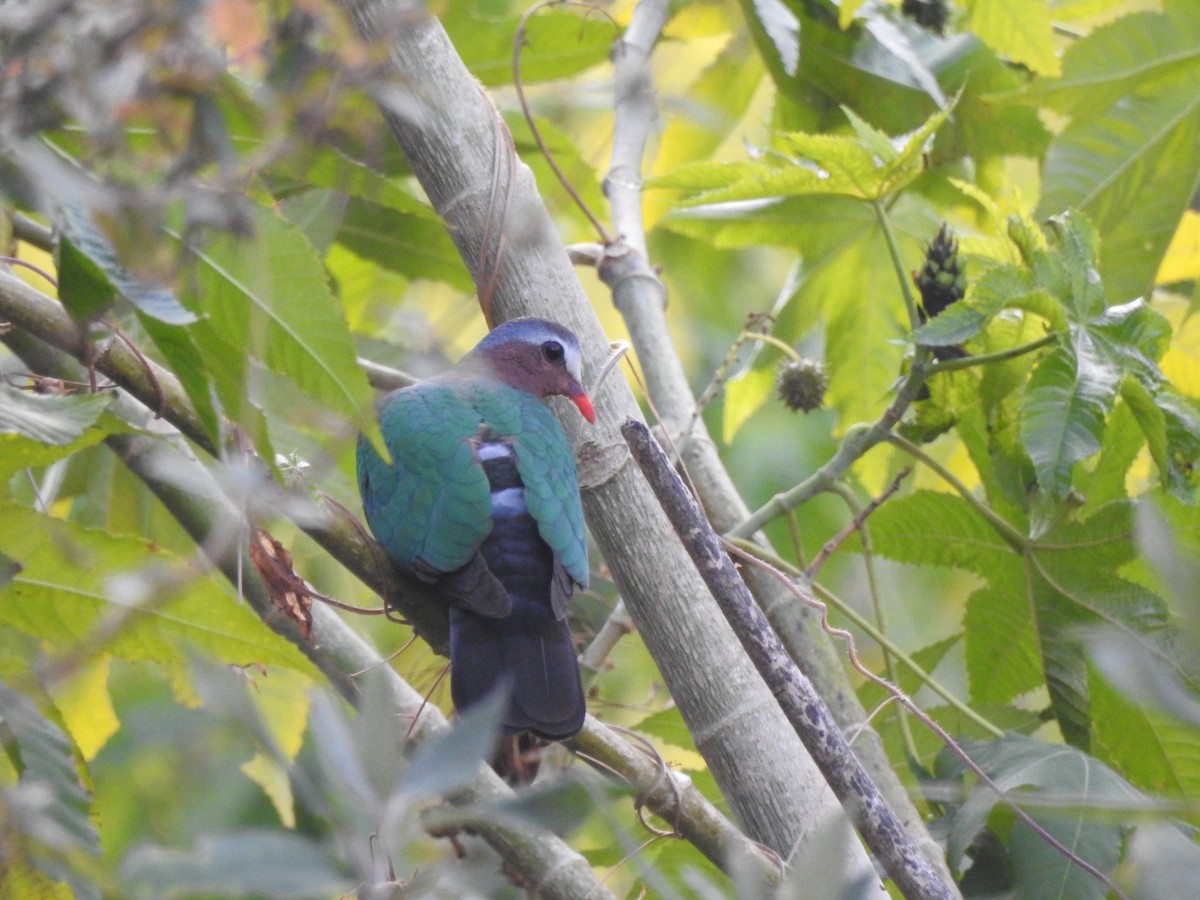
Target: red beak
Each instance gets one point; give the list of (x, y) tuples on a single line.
[(584, 402)]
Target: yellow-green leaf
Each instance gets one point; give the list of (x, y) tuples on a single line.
[(80, 585), (744, 396), (86, 707), (273, 779), (1018, 29)]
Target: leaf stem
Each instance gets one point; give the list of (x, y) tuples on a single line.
[(1011, 536), (774, 342), (870, 630), (910, 302), (877, 605), (983, 359)]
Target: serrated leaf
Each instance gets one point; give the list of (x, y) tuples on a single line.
[(719, 97), (1118, 59), (1002, 652), (1151, 748), (49, 418), (930, 528), (557, 43), (83, 287), (92, 245), (185, 360), (268, 298), (48, 804), (1064, 409), (415, 246), (1150, 420), (1018, 29), (238, 864), (73, 577), (1132, 170), (1123, 440)]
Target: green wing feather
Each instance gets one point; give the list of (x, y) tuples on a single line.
[(431, 508)]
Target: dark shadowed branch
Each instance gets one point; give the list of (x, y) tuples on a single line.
[(876, 822)]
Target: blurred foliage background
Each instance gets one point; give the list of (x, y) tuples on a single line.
[(223, 191)]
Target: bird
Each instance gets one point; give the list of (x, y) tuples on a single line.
[(481, 500)]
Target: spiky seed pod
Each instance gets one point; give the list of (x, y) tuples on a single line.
[(931, 14), (802, 384), (941, 280)]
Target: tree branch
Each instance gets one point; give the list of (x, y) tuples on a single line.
[(191, 495), (458, 148), (639, 295), (874, 819)]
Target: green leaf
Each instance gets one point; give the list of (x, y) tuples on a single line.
[(930, 528), (238, 864), (1131, 55), (180, 350), (867, 167), (91, 262), (558, 43), (877, 70), (720, 97), (745, 394), (268, 298), (47, 807), (1078, 789), (998, 288), (51, 419), (1133, 171), (668, 726), (83, 287), (1151, 421), (1018, 29), (1002, 651), (1153, 749), (74, 579), (414, 245), (1064, 408), (1123, 440)]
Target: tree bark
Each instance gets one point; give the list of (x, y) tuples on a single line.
[(460, 151)]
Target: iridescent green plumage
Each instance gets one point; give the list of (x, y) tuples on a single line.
[(481, 500), (431, 508)]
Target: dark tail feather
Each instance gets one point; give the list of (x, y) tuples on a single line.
[(534, 653)]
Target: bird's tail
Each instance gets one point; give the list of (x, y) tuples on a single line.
[(532, 652)]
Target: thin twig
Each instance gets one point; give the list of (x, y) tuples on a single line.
[(17, 261), (853, 525), (518, 43)]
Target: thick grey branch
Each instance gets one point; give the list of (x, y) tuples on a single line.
[(874, 819), (641, 298), (461, 152)]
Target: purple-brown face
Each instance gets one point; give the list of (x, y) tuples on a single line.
[(540, 357)]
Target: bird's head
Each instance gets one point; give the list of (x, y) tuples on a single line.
[(537, 356)]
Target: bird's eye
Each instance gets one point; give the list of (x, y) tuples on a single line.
[(552, 350)]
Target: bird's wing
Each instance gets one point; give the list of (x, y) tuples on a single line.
[(430, 507)]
